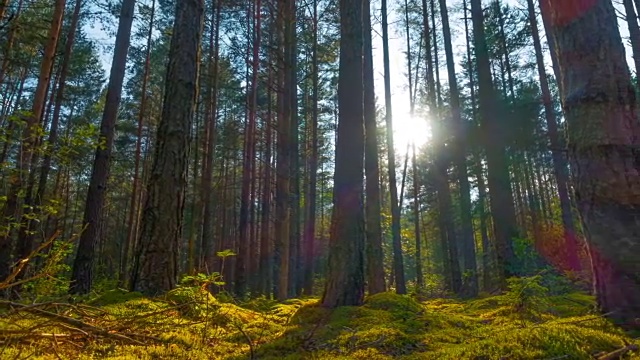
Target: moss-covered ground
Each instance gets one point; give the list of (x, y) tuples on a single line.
[(191, 324)]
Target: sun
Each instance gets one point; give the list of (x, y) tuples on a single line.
[(408, 130)]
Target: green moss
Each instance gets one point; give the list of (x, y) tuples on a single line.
[(190, 323)]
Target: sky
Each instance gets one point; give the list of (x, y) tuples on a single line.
[(406, 129)]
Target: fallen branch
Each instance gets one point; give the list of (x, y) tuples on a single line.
[(616, 354)]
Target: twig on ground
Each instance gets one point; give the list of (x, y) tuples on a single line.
[(616, 354)]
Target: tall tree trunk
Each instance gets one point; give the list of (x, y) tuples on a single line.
[(375, 256), (206, 243), (132, 226), (291, 53), (398, 263), (30, 137), (156, 263), (492, 134), (266, 259), (603, 133), (345, 276), (470, 286), (310, 223), (249, 154), (82, 273), (283, 211), (416, 221), (560, 166)]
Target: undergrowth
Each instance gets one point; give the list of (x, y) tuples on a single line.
[(189, 323)]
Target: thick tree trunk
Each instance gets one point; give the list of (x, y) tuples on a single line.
[(345, 276), (603, 140), (156, 267), (82, 273)]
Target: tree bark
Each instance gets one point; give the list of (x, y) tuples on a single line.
[(82, 273), (156, 268), (345, 272), (603, 133), (398, 263), (375, 265)]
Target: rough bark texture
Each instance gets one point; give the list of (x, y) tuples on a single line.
[(345, 272), (156, 267), (82, 273), (600, 108), (375, 265)]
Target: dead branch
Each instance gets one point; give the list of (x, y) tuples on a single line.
[(618, 353)]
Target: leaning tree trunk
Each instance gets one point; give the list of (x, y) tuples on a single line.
[(603, 139), (82, 273), (156, 262), (345, 272)]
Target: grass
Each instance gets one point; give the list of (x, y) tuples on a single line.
[(189, 323)]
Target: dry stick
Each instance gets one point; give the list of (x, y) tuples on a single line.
[(74, 322), (618, 353), (7, 283)]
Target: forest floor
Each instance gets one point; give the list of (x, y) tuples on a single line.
[(189, 323)]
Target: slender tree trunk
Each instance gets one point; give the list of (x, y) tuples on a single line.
[(416, 221), (266, 263), (310, 223), (470, 286), (560, 167), (132, 226), (82, 273), (603, 133), (283, 211), (498, 175), (375, 265), (291, 53), (249, 154), (634, 34), (156, 263), (398, 263), (207, 246), (30, 137)]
